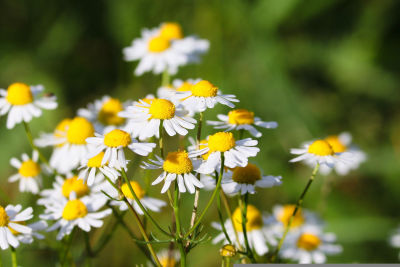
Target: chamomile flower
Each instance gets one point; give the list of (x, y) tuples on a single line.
[(258, 232), (13, 219), (242, 119), (103, 113), (310, 245), (155, 111), (29, 173), (69, 213), (177, 165), (203, 95), (91, 166), (149, 203), (22, 102), (113, 144), (243, 180), (395, 239), (236, 153)]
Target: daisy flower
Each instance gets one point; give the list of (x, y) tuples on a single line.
[(242, 119), (310, 245), (155, 111), (395, 239), (68, 213), (178, 85), (258, 232), (27, 238), (22, 103), (91, 166), (236, 153), (113, 144), (103, 113), (177, 165), (150, 203), (13, 219), (203, 95), (243, 180), (28, 173)]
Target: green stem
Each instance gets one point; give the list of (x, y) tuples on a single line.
[(221, 219), (243, 202), (14, 257), (160, 140), (67, 247), (178, 227), (165, 78), (89, 250), (298, 205), (229, 212)]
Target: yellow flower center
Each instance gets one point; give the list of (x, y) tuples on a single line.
[(204, 89), (95, 162), (308, 241), (246, 175), (62, 127), (285, 214), (4, 219), (321, 148), (203, 144), (29, 168), (337, 146), (15, 232), (74, 209), (79, 129), (171, 31), (108, 114), (254, 219), (227, 251), (221, 141), (158, 44), (162, 109), (240, 116), (186, 86), (117, 138), (76, 185), (19, 94), (178, 162), (136, 188), (167, 262)]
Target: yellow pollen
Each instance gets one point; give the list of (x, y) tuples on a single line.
[(108, 114), (308, 241), (336, 144), (203, 144), (321, 148), (178, 162), (4, 219), (76, 185), (167, 262), (15, 232), (74, 209), (186, 86), (221, 141), (204, 89), (95, 162), (285, 214), (253, 218), (29, 168), (136, 188), (162, 109), (246, 175), (240, 116), (79, 129), (227, 251), (19, 94), (171, 31), (62, 127), (117, 138), (158, 44)]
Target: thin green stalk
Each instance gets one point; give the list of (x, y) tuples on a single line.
[(89, 250), (67, 247), (160, 140), (243, 202), (221, 219), (165, 78), (14, 257), (229, 212), (298, 205), (178, 226)]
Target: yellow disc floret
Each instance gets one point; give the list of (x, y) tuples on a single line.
[(227, 250), (185, 86), (62, 127), (285, 214), (246, 175), (19, 94), (117, 138), (95, 162), (76, 185), (162, 109), (240, 116), (204, 89), (168, 261), (178, 162), (29, 168), (171, 31), (253, 218), (221, 141), (79, 129), (158, 44), (4, 219), (203, 144), (321, 148), (108, 114), (336, 144), (308, 241), (139, 192), (74, 209)]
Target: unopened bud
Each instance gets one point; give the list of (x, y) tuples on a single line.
[(228, 251)]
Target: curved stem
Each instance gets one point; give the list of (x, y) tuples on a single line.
[(14, 257), (243, 201)]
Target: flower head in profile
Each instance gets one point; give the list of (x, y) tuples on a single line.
[(242, 119), (29, 173), (22, 102)]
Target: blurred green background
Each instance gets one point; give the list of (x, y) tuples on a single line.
[(316, 67)]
